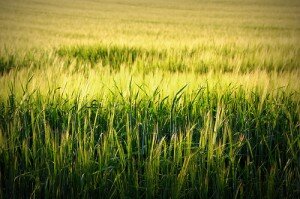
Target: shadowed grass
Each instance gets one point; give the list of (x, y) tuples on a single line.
[(200, 59)]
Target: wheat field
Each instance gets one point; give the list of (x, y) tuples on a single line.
[(149, 99)]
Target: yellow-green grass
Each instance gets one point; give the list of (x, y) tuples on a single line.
[(155, 99), (45, 24)]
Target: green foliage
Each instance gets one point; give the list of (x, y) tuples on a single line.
[(204, 144), (201, 59), (113, 56), (30, 59), (149, 99)]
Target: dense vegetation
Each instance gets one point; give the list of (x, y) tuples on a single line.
[(135, 106)]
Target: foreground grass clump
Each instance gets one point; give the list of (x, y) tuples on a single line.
[(204, 143)]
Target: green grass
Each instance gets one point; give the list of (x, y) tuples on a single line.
[(202, 144), (149, 99), (200, 59)]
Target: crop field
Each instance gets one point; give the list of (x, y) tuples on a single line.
[(149, 99)]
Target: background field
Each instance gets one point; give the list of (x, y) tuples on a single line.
[(136, 98)]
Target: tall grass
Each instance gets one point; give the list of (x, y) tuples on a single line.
[(199, 59), (149, 99), (207, 143), (83, 122)]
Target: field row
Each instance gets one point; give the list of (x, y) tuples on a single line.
[(201, 59)]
